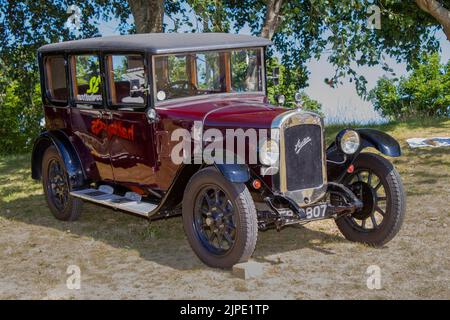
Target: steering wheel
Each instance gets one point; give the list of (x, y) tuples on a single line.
[(180, 88)]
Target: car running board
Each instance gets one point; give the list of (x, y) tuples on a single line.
[(109, 199)]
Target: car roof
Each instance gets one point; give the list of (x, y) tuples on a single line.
[(160, 43)]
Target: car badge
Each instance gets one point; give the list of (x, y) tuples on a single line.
[(301, 143)]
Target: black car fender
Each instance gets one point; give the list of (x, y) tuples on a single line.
[(381, 141), (236, 173), (67, 152), (338, 162)]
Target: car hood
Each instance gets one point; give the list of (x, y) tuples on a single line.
[(226, 113), (244, 115)]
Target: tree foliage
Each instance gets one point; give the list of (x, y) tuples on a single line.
[(301, 30), (27, 25), (425, 92), (20, 115), (339, 29), (287, 87)]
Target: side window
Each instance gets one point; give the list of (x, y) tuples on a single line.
[(86, 79), (55, 77), (246, 70), (127, 80), (172, 77)]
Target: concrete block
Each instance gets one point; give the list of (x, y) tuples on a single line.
[(248, 270)]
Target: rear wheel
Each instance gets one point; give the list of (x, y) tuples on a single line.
[(219, 219), (378, 185), (57, 188)]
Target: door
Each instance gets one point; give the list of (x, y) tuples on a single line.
[(89, 118), (131, 147)]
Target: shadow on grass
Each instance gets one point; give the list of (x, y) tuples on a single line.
[(162, 242)]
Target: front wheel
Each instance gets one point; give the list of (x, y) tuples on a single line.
[(219, 219), (378, 185), (57, 188)]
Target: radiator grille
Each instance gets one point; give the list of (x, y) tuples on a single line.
[(303, 147)]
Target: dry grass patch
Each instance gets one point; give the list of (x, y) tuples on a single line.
[(123, 257)]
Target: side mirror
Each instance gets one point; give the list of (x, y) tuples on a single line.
[(152, 115), (281, 99)]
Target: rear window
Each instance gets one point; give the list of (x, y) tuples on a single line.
[(56, 81), (87, 85)]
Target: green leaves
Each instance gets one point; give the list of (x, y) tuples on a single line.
[(27, 25), (339, 30), (308, 29), (423, 93), (20, 115), (287, 87)]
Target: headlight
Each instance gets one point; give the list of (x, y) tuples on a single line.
[(349, 141), (269, 153)]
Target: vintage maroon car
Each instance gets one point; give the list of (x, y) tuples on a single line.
[(113, 106)]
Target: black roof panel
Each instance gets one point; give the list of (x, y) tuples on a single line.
[(160, 43)]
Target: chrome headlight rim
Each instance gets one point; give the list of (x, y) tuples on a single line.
[(348, 141), (269, 155)]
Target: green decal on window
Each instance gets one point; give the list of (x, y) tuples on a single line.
[(94, 85)]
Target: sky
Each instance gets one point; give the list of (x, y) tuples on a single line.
[(341, 104)]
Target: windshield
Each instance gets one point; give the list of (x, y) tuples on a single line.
[(203, 73)]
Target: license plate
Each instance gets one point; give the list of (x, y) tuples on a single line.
[(316, 212)]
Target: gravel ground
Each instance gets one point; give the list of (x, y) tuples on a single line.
[(123, 257)]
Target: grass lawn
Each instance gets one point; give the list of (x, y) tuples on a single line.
[(124, 257)]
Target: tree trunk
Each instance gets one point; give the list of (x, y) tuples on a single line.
[(216, 18), (148, 15), (437, 10), (273, 18), (201, 12)]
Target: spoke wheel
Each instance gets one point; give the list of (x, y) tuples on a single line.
[(369, 188), (378, 185), (219, 219), (57, 186), (214, 220)]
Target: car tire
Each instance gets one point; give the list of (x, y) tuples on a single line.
[(237, 210), (57, 188), (393, 198)]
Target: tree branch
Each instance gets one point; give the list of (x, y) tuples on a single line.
[(273, 18), (148, 15), (437, 10)]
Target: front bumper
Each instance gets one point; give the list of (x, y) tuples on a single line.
[(338, 201)]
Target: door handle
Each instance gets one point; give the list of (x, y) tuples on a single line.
[(106, 115), (160, 137)]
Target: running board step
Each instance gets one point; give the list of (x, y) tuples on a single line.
[(115, 201)]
